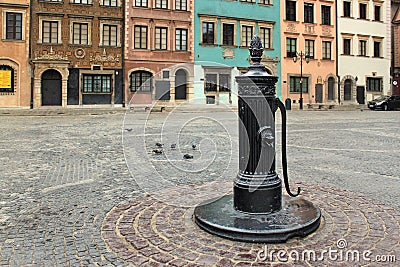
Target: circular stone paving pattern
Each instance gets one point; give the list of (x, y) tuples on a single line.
[(158, 230)]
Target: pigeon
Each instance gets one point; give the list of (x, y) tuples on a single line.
[(194, 146), (157, 151), (173, 146), (159, 144), (129, 129), (187, 156)]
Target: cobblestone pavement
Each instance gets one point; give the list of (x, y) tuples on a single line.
[(87, 190)]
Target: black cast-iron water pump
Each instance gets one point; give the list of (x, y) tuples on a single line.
[(257, 211)]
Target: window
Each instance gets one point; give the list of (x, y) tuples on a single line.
[(110, 3), (228, 34), (377, 49), (208, 32), (363, 48), (162, 4), (13, 26), (96, 83), (326, 15), (217, 82), (291, 10), (308, 13), (265, 36), (347, 46), (224, 83), (6, 79), (291, 46), (141, 81), (181, 5), (211, 83), (140, 37), (374, 84), (363, 11), (54, 1), (80, 33), (326, 50), (347, 9), (309, 48), (141, 3), (264, 2), (247, 35), (85, 2), (50, 32), (248, 1), (377, 13), (296, 83), (110, 34), (161, 38), (181, 39)]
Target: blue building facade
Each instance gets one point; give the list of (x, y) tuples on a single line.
[(223, 30)]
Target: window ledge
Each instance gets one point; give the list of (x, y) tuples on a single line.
[(228, 46), (81, 4), (110, 6), (13, 40), (205, 44), (291, 21)]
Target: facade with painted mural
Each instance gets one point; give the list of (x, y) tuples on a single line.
[(159, 52), (14, 54), (364, 46), (77, 52), (223, 30), (309, 52)]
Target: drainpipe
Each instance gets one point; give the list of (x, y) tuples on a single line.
[(123, 54), (337, 51), (30, 53)]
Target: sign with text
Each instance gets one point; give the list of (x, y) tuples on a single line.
[(5, 79)]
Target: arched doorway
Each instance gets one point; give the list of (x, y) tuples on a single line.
[(180, 85), (347, 89), (51, 88), (331, 88)]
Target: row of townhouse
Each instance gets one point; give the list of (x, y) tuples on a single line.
[(115, 52)]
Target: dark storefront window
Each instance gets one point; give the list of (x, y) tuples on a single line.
[(96, 83)]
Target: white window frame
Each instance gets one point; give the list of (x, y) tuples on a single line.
[(112, 23), (45, 18), (4, 30)]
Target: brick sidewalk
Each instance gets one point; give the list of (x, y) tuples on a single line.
[(158, 230)]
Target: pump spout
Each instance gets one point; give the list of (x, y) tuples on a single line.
[(284, 157)]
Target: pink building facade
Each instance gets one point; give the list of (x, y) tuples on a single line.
[(308, 28)]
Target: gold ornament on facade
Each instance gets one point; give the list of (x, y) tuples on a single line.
[(80, 53), (51, 55), (104, 58)]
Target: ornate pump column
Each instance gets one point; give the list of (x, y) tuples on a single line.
[(257, 212)]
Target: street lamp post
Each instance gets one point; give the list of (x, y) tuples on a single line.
[(301, 56)]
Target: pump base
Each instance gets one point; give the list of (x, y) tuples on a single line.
[(298, 217)]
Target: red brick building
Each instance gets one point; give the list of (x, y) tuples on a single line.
[(77, 52), (159, 45)]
